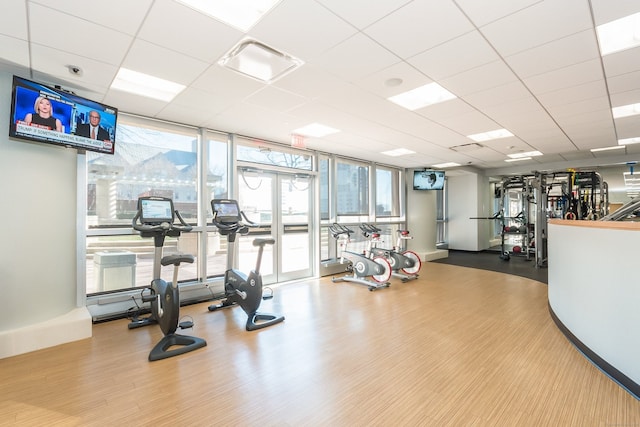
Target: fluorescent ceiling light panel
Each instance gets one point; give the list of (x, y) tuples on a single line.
[(626, 110), (517, 159), (316, 130), (615, 147), (446, 165), (398, 152), (493, 134), (259, 61), (527, 154), (422, 96), (621, 34), (145, 85), (627, 141), (631, 179), (239, 14)]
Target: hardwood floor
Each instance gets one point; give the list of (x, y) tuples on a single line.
[(458, 347)]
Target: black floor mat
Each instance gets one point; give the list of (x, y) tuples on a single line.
[(490, 260)]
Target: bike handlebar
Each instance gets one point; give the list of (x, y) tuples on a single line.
[(183, 227), (337, 229)]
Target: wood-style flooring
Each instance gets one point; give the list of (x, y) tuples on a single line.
[(458, 347)]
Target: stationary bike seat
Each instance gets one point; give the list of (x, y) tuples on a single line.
[(263, 241), (176, 259)]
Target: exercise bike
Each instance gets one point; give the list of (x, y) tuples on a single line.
[(362, 266), (155, 218), (405, 264), (240, 289)]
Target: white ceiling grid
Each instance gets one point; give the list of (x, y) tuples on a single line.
[(530, 66)]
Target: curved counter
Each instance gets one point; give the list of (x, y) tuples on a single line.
[(594, 293)]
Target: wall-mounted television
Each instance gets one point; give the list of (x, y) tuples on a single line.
[(428, 179), (52, 115)]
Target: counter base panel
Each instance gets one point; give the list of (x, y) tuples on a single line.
[(625, 382)]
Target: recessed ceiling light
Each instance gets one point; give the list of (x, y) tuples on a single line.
[(621, 34), (259, 61), (239, 14), (518, 159), (493, 134), (525, 154), (145, 85), (398, 152), (422, 96), (627, 141), (626, 110), (446, 165), (316, 130), (615, 147)]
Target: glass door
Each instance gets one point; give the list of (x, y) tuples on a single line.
[(280, 204)]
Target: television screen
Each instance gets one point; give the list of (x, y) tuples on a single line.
[(225, 210), (155, 210), (45, 114), (428, 180)]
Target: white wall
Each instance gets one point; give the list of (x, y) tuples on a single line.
[(469, 196), (421, 222), (38, 251)]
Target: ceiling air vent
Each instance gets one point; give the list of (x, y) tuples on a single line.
[(467, 147)]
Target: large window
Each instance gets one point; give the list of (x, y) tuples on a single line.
[(253, 151), (352, 191), (151, 159), (217, 186), (387, 192)]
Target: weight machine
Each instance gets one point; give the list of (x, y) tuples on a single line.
[(570, 195)]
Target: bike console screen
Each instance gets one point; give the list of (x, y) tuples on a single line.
[(155, 210), (225, 211)]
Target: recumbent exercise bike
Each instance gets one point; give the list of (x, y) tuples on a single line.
[(240, 289), (155, 218)]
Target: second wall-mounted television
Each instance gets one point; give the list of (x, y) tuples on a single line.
[(51, 115), (428, 179)]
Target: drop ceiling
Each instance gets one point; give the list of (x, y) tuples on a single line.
[(532, 67)]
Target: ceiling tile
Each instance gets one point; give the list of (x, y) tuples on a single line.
[(362, 13), (573, 75), (309, 21), (620, 63), (624, 82), (371, 57), (95, 74), (594, 89), (157, 61), (537, 25), (14, 51), (121, 15), (445, 60), (573, 49), (498, 95), (65, 37), (482, 13), (13, 19), (276, 99), (439, 21), (606, 10), (381, 82), (192, 33)]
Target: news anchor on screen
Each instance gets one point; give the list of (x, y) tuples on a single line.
[(93, 129), (43, 115)]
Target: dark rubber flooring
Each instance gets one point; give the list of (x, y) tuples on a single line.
[(490, 260)]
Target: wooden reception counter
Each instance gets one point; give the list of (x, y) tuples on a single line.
[(594, 293)]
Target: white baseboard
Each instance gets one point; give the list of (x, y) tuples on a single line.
[(72, 326)]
